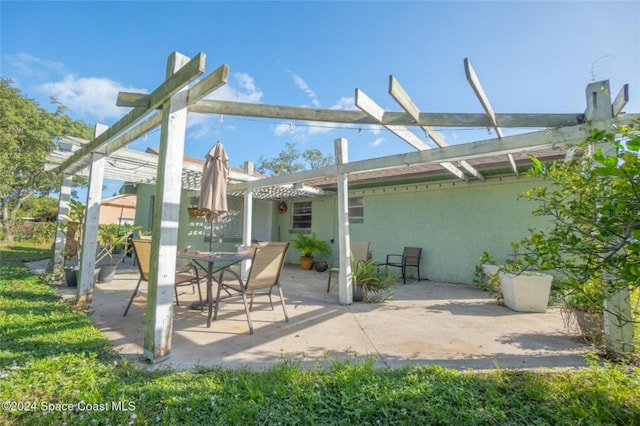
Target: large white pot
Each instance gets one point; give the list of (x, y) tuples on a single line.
[(526, 292)]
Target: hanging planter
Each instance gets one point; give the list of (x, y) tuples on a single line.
[(196, 212)]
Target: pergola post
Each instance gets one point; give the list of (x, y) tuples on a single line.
[(345, 277), (61, 225), (247, 219), (90, 226), (618, 325), (159, 313)]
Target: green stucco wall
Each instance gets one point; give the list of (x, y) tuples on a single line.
[(453, 223), (191, 230)]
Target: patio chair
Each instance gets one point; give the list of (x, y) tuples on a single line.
[(410, 257), (185, 275), (264, 274), (359, 250)]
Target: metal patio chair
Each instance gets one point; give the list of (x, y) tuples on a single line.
[(185, 275), (264, 274), (410, 258)]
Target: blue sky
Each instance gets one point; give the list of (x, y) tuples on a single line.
[(534, 57)]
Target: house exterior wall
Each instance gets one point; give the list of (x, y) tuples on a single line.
[(114, 215), (452, 222), (194, 231)]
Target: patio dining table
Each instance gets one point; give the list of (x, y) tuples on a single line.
[(212, 263)]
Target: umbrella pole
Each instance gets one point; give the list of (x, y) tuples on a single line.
[(211, 238)]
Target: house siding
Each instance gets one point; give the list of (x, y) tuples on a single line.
[(453, 223)]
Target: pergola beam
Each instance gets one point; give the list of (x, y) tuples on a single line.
[(171, 86), (398, 93), (199, 90), (244, 109), (552, 138), (620, 100), (369, 106), (474, 81)]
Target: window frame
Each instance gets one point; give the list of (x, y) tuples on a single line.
[(354, 205), (300, 209)]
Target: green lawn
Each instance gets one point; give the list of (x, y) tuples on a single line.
[(56, 368)]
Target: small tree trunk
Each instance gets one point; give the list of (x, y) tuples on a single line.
[(8, 235)]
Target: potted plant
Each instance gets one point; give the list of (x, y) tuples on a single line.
[(521, 289), (584, 309), (371, 283), (308, 246), (111, 238), (486, 276), (75, 220)]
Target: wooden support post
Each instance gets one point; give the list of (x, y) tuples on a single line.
[(598, 101), (88, 245), (159, 314), (90, 227), (248, 219), (618, 323), (345, 277), (61, 225)]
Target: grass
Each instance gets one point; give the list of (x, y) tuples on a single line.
[(58, 369)]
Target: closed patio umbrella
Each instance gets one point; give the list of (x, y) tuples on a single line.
[(213, 187)]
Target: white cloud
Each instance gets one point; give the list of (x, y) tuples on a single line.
[(302, 85), (345, 104), (377, 142), (92, 96), (241, 88), (30, 66)]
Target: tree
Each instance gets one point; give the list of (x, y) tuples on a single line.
[(593, 202), (289, 161), (28, 133)]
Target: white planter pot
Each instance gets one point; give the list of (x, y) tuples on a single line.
[(526, 292), (107, 273)]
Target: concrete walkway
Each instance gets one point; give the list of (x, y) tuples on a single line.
[(454, 326)]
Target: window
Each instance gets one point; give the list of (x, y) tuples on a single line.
[(356, 210), (301, 217)]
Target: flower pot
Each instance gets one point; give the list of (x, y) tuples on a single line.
[(107, 273), (306, 262), (321, 266), (526, 292), (358, 293), (71, 277)]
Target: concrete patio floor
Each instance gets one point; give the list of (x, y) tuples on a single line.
[(451, 325)]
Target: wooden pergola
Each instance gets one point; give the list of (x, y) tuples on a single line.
[(107, 156)]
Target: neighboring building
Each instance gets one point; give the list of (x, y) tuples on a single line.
[(118, 210)]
